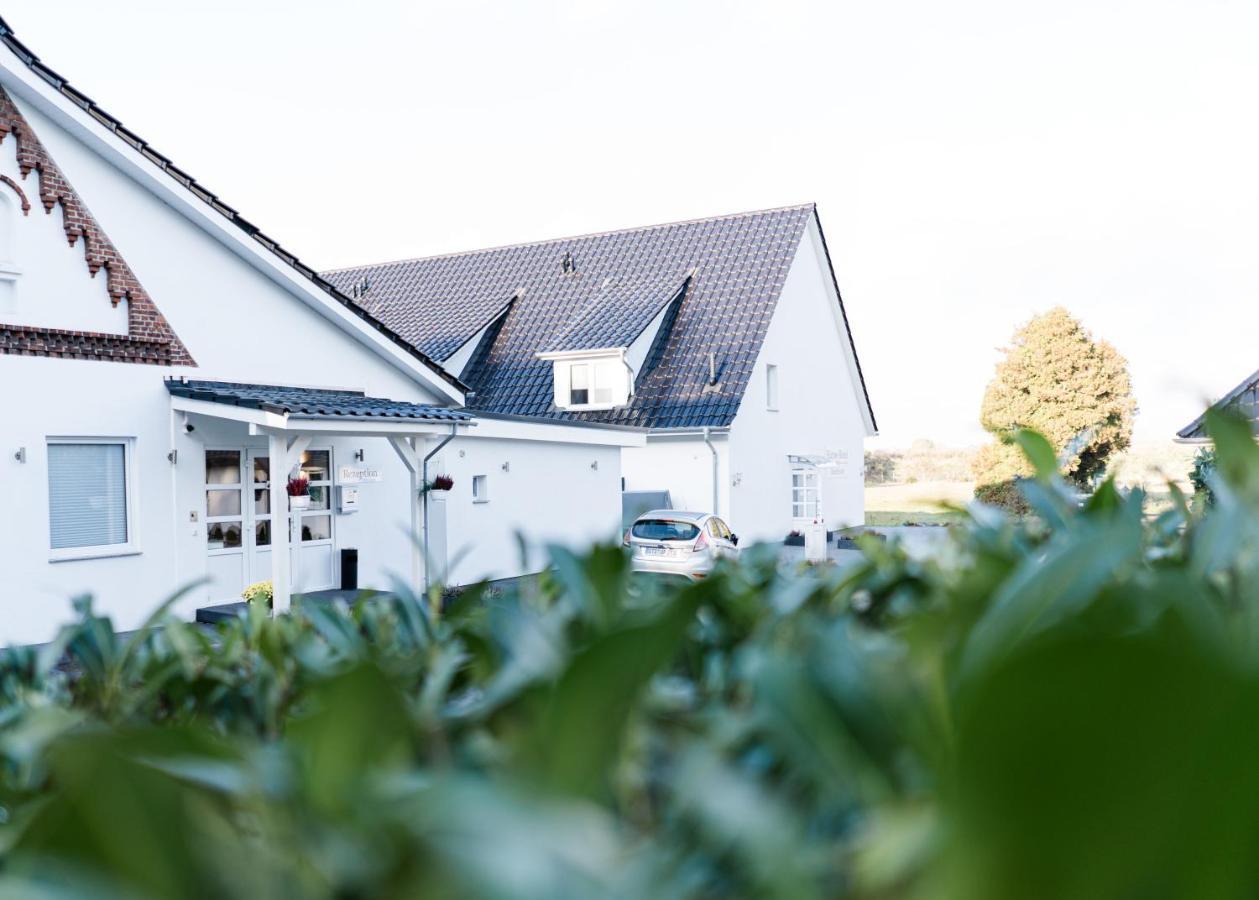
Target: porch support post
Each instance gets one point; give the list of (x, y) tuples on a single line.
[(296, 447), (281, 587), (408, 450)]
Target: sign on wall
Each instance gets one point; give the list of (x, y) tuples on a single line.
[(358, 475)]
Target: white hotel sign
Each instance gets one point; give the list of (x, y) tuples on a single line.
[(358, 475)]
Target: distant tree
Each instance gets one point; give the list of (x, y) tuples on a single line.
[(1058, 380), (880, 467)]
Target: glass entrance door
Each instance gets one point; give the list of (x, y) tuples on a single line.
[(240, 522)]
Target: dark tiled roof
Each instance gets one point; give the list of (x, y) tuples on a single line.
[(619, 281), (310, 403), (618, 314), (1243, 399), (133, 140)]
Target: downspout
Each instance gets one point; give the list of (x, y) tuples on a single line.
[(716, 471), (424, 486)]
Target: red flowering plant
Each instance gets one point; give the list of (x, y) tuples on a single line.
[(439, 483), (298, 487)]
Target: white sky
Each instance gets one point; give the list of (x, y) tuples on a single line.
[(974, 162)]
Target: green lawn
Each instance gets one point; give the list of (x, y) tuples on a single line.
[(890, 517), (920, 503)]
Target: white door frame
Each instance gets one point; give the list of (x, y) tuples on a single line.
[(248, 519)]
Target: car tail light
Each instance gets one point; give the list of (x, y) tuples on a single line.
[(625, 538), (701, 542)]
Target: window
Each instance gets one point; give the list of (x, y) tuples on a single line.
[(665, 530), (480, 489), (224, 509), (771, 386), (579, 390), (602, 385), (804, 497), (89, 498)]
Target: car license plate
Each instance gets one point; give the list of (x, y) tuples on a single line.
[(654, 551)]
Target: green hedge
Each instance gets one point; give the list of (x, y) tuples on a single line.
[(1053, 706)]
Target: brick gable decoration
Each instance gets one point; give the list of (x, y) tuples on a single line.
[(150, 338)]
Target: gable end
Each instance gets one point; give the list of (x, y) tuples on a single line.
[(149, 338)]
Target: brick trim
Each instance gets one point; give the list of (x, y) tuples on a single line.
[(17, 189), (150, 338), (30, 340)]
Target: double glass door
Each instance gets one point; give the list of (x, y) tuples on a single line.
[(239, 520)]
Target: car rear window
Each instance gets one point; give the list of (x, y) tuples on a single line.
[(664, 530)]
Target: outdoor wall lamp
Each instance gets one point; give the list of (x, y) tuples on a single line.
[(594, 466), (20, 456), (358, 455), (506, 467)]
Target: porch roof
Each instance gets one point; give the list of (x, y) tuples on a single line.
[(311, 405)]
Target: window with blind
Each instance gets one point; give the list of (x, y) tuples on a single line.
[(88, 489)]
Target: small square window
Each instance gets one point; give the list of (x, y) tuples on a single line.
[(89, 498), (480, 489)]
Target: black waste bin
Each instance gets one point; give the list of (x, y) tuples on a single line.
[(349, 569)]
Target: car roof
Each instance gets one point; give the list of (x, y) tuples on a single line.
[(676, 515)]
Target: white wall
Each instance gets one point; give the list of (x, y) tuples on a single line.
[(682, 465), (818, 409), (551, 492)]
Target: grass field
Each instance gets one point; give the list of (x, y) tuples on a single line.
[(920, 503)]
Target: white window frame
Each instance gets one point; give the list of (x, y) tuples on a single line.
[(807, 473), (771, 387), (482, 495), (103, 551)]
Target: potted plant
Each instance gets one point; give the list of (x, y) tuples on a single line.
[(439, 483), (259, 592), (794, 539), (299, 493)]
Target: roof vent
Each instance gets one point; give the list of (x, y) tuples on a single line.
[(361, 287), (567, 266)]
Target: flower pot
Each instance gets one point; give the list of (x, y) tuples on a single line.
[(299, 502)]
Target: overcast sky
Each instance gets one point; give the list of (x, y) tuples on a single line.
[(974, 162)]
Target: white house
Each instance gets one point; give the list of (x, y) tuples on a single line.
[(167, 367), (725, 337)]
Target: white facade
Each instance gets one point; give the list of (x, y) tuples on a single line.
[(245, 316), (815, 426)]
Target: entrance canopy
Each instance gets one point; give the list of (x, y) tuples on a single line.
[(291, 416), (311, 410)]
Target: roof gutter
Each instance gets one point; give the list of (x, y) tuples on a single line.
[(705, 432)]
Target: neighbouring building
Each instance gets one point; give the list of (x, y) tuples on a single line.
[(168, 368), (1243, 400), (726, 338)]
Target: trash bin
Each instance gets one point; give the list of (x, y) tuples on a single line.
[(815, 541), (349, 569)]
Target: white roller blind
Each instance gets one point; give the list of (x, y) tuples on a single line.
[(87, 494)]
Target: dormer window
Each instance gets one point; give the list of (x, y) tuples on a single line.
[(579, 380), (590, 379)]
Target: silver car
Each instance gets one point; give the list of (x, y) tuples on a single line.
[(670, 542)]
